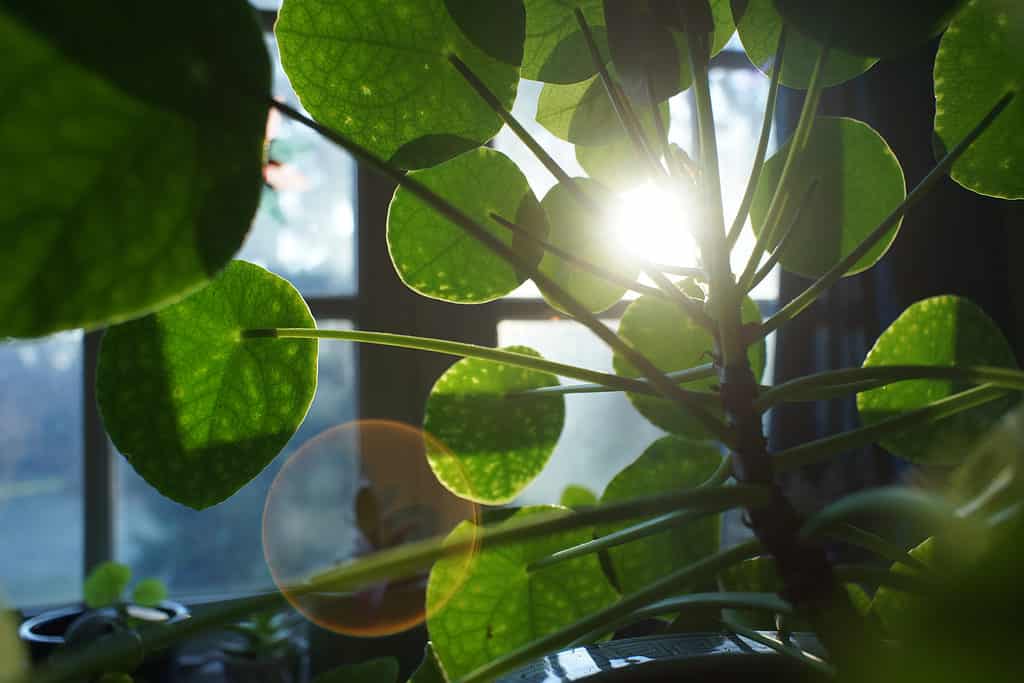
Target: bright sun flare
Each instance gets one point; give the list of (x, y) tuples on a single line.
[(652, 224)]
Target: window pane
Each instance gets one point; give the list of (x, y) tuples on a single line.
[(305, 227), (602, 434), (219, 550), (41, 470)]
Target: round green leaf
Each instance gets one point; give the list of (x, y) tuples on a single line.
[(980, 60), (13, 658), (672, 341), (127, 181), (378, 670), (436, 257), (859, 181), (998, 457), (555, 50), (616, 164), (760, 26), (756, 575), (197, 409), (149, 592), (579, 112), (943, 330), (575, 496), (872, 28), (106, 584), (897, 610), (500, 606), (496, 444), (572, 230), (497, 28), (378, 72), (671, 463)]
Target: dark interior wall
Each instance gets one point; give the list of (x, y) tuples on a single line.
[(955, 242)]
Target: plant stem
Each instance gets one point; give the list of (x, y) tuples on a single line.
[(780, 248), (822, 284), (679, 376), (806, 659), (695, 573), (583, 264), (682, 271), (645, 367), (898, 502), (803, 388), (878, 545), (620, 103), (780, 197), (636, 531), (762, 145), (816, 451), (916, 583)]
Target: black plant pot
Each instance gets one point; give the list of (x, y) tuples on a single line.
[(680, 658), (45, 635)]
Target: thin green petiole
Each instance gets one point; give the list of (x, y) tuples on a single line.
[(805, 658), (804, 388), (679, 376), (762, 145), (581, 263), (878, 545), (816, 451), (822, 284), (695, 573), (780, 198), (780, 248), (931, 511)]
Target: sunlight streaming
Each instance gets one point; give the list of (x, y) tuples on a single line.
[(652, 224)]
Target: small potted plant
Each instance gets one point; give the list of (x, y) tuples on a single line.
[(109, 608), (266, 648)]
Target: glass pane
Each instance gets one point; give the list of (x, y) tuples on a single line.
[(41, 470), (219, 550), (602, 434), (266, 4), (305, 227)]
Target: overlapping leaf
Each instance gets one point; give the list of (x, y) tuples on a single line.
[(673, 341), (671, 463), (439, 259), (858, 182), (494, 444), (980, 60), (501, 605), (132, 139), (197, 409), (555, 49), (379, 73), (942, 330)]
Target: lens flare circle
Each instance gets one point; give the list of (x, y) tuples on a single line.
[(348, 492)]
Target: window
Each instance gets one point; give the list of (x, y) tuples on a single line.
[(68, 500)]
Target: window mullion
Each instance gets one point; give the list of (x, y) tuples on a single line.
[(99, 492)]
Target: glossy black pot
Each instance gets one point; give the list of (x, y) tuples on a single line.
[(45, 633), (680, 658)]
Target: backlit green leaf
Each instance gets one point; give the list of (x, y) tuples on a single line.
[(574, 496), (573, 230), (500, 605), (106, 584), (496, 444), (980, 60), (497, 28), (760, 26), (555, 50), (756, 575), (197, 409), (859, 181), (132, 140), (436, 257), (672, 341), (943, 330), (149, 592), (379, 670), (378, 72), (873, 28), (580, 112), (616, 163), (671, 463), (429, 670), (895, 609)]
